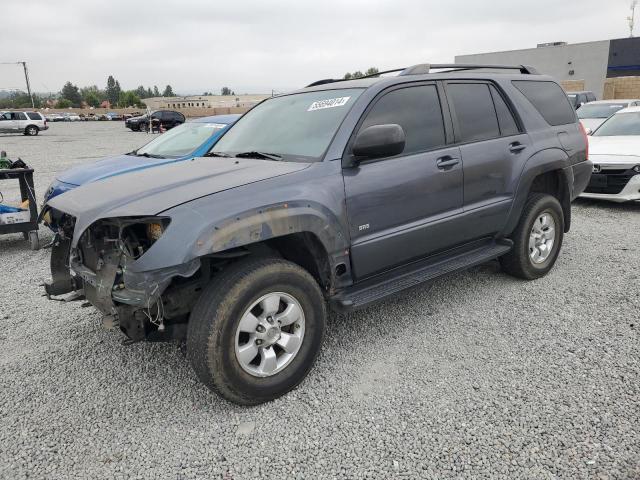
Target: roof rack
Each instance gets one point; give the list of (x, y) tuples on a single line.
[(424, 68)]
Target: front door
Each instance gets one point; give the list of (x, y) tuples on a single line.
[(404, 207), (7, 124)]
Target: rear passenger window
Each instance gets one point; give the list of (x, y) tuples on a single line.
[(417, 111), (34, 116), (507, 123), (475, 114), (19, 116), (549, 99)]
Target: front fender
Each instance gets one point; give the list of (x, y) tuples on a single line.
[(270, 222), (253, 214)]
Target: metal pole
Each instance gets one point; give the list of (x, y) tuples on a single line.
[(26, 76)]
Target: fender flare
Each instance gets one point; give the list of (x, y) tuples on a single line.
[(244, 229), (549, 160)]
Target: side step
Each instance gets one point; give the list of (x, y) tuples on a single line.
[(376, 289)]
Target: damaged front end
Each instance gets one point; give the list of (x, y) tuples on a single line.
[(102, 268)]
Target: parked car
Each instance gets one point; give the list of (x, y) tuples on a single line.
[(113, 116), (342, 193), (71, 117), (26, 122), (593, 114), (615, 151), (54, 117), (165, 118), (578, 99), (193, 139)]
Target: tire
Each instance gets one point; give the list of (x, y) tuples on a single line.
[(143, 127), (526, 262), (31, 130), (214, 331)]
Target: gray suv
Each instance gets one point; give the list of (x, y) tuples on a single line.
[(337, 195)]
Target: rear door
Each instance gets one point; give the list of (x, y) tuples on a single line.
[(493, 148), (19, 121), (403, 207)]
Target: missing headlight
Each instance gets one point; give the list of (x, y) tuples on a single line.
[(135, 237)]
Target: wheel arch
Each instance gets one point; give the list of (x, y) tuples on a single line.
[(544, 172)]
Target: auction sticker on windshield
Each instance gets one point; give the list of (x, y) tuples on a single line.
[(328, 103)]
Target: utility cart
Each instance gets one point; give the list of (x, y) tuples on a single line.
[(29, 229)]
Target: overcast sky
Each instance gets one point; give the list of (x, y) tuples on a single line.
[(254, 46)]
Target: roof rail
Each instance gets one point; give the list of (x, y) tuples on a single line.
[(424, 68)]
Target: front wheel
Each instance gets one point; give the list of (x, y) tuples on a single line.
[(537, 238), (256, 330)]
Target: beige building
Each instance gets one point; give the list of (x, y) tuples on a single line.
[(204, 101)]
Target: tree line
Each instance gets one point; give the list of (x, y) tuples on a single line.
[(92, 96), (359, 74)]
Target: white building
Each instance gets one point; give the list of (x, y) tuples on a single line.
[(203, 101)]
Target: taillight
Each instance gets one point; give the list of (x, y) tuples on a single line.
[(586, 140)]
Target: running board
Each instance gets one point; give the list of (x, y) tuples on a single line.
[(376, 289)]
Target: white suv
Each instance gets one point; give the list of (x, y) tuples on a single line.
[(28, 123)]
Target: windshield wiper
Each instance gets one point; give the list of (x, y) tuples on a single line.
[(216, 154), (148, 155), (259, 155)]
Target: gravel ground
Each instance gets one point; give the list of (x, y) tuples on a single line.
[(479, 376)]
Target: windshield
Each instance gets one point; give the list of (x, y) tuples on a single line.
[(294, 127), (181, 140), (620, 124), (599, 110)]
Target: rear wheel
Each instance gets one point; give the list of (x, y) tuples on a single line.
[(256, 330), (31, 130), (537, 238)]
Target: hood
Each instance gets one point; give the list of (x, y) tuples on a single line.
[(592, 123), (109, 167), (154, 190), (620, 149)]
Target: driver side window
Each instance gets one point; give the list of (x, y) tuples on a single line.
[(417, 110)]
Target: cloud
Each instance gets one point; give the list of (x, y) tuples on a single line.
[(256, 46)]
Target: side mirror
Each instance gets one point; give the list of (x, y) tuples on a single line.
[(379, 141)]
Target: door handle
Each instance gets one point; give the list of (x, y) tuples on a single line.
[(447, 161), (516, 147)]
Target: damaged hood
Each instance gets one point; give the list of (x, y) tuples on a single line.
[(108, 167), (154, 190)]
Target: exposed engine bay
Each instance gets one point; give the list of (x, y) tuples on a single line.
[(151, 305)]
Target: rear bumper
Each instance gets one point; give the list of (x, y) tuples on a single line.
[(581, 176)]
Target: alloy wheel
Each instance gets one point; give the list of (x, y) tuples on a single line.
[(270, 334), (542, 238)]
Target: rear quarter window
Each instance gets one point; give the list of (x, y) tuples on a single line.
[(549, 99), (34, 116)]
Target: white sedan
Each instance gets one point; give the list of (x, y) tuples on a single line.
[(593, 114), (614, 149)]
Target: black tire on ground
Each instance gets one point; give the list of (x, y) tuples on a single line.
[(518, 261), (215, 318), (31, 130)]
